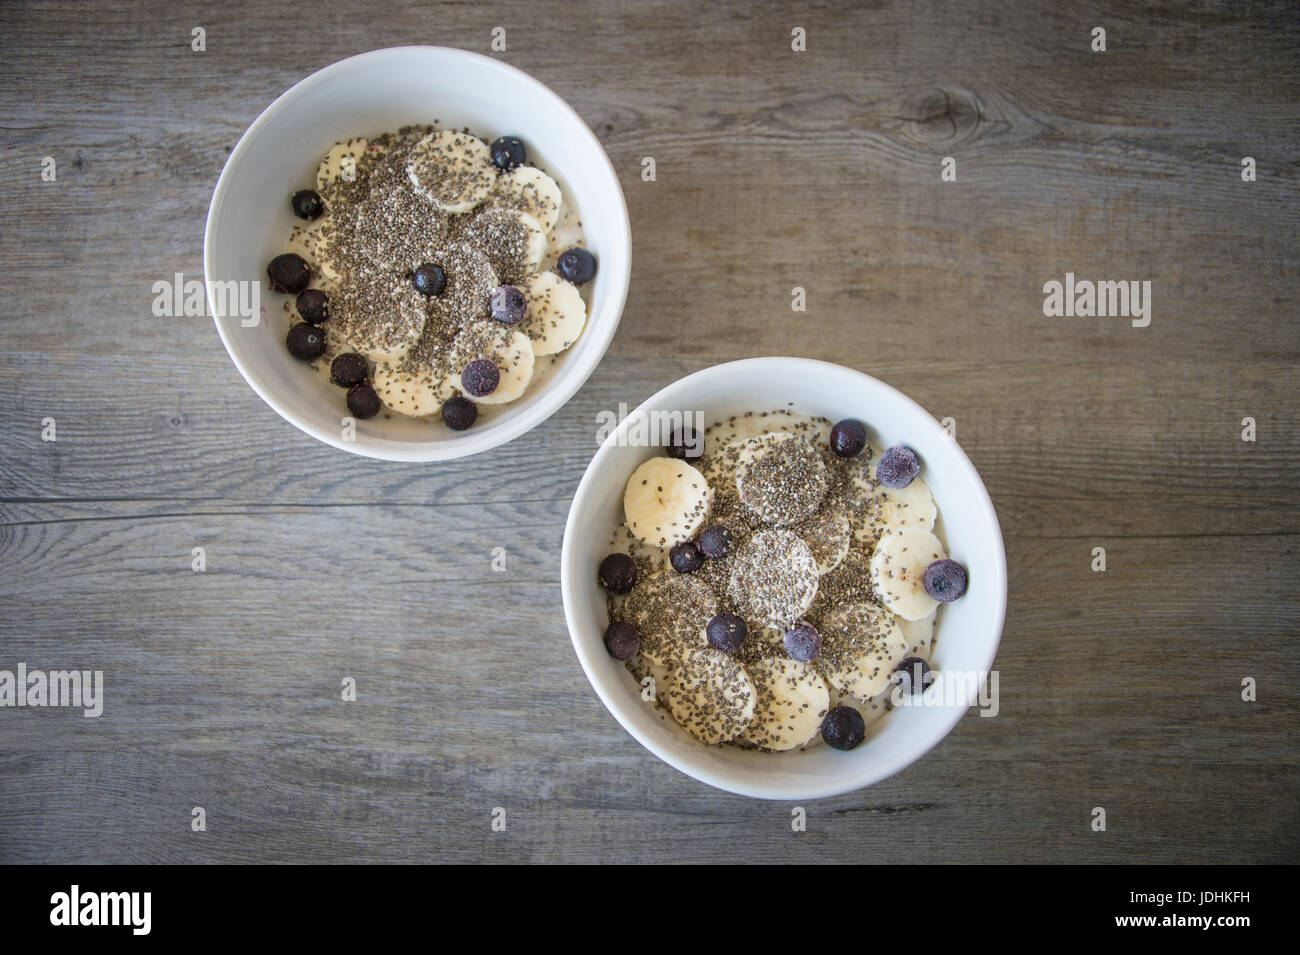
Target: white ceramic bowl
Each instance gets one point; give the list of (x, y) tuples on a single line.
[(249, 221), (966, 632)]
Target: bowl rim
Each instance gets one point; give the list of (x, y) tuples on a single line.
[(618, 705), (573, 375)]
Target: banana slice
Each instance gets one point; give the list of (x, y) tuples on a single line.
[(919, 635), (310, 242), (411, 392), (791, 701), (861, 645), (828, 536), (773, 578), (898, 566), (781, 478), (711, 696), (454, 171), (513, 241), (510, 349), (353, 311), (340, 164), (528, 189), (670, 611), (666, 501), (877, 509), (556, 313)]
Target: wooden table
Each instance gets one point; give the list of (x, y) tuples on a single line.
[(820, 169)]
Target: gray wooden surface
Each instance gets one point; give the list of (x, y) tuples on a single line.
[(775, 169)]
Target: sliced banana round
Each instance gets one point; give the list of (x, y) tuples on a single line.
[(528, 189), (411, 391), (513, 242), (665, 501), (828, 536), (509, 349), (861, 645), (781, 478), (352, 317), (711, 696), (791, 702), (669, 611), (556, 313), (340, 164), (310, 242), (453, 170), (773, 578), (919, 635), (898, 566), (876, 508)]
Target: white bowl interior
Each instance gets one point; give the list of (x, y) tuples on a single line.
[(966, 633), (250, 220)]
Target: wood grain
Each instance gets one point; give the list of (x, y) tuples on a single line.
[(775, 170)]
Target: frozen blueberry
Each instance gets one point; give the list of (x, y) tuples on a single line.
[(715, 542), (617, 573), (289, 273), (913, 674), (459, 413), (843, 728), (577, 265), (305, 342), (945, 580), (313, 305), (348, 370), (848, 437), (897, 467), (307, 204), (481, 377), (803, 642), (429, 279), (508, 305), (726, 632), (622, 641), (363, 402), (685, 558), (508, 152), (685, 445)]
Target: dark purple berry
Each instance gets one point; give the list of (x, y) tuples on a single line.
[(685, 445), (508, 152), (726, 632), (459, 413), (715, 542), (945, 580), (481, 377), (577, 265), (305, 342), (429, 279), (307, 204), (803, 642), (508, 305), (622, 641), (617, 573), (313, 305), (848, 437), (843, 728), (685, 558), (348, 370), (289, 273), (897, 467), (363, 402), (913, 674)]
